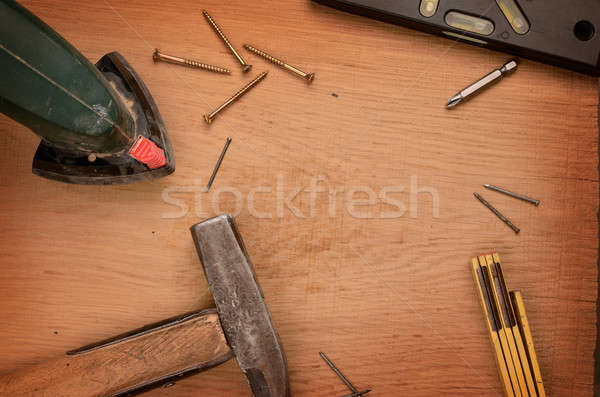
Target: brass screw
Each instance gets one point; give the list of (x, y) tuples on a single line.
[(158, 56), (307, 76), (209, 117), (245, 66)]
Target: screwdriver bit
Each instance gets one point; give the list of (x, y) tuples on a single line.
[(482, 83)]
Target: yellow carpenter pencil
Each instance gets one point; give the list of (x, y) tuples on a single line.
[(523, 323), (492, 326), (515, 329)]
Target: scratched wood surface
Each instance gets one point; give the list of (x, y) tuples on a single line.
[(384, 286)]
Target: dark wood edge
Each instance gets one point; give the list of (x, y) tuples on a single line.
[(141, 331), (170, 380), (597, 350)]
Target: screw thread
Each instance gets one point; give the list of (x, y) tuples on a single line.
[(306, 76), (245, 66), (217, 29), (249, 85), (264, 55), (205, 66), (209, 117)]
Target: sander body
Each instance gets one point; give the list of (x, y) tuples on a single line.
[(98, 123)]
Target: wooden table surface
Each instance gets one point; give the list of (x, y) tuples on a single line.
[(378, 278)]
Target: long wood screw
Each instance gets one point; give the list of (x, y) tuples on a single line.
[(209, 117), (219, 32), (159, 56), (309, 77)]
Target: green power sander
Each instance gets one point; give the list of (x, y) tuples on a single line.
[(99, 124)]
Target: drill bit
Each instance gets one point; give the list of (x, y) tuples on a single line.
[(218, 165), (497, 213), (354, 390), (511, 194), (482, 83)]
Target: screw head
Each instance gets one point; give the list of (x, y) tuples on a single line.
[(155, 55), (207, 119), (246, 68), (310, 77)]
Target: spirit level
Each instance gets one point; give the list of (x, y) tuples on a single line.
[(557, 32)]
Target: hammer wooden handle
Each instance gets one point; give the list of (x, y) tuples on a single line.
[(144, 359)]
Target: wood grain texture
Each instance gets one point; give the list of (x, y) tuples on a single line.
[(390, 300), (197, 342)]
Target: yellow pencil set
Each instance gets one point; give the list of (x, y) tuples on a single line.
[(509, 330)]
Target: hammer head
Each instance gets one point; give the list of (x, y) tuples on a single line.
[(242, 310)]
